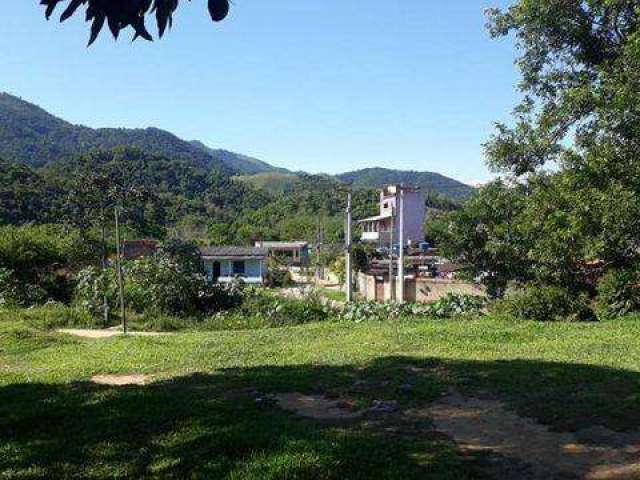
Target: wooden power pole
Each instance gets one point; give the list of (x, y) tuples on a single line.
[(348, 248), (123, 312)]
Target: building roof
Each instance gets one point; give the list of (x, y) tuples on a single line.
[(376, 218), (300, 244), (232, 251)]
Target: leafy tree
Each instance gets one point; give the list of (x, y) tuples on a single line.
[(580, 115), (486, 236), (25, 196), (120, 14)]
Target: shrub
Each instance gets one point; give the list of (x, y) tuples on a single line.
[(161, 285), (618, 293), (35, 254), (184, 253), (53, 315), (14, 293), (93, 284), (9, 295), (449, 306), (157, 286), (273, 311), (278, 279), (545, 303)]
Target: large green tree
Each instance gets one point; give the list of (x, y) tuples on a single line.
[(573, 149)]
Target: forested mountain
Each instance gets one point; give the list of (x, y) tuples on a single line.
[(32, 136), (242, 164), (428, 181), (213, 196), (184, 199)]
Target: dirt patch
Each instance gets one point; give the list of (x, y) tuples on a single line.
[(317, 406), (488, 426), (121, 380), (108, 333)]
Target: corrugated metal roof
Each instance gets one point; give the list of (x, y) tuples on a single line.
[(283, 244), (232, 251), (377, 217)]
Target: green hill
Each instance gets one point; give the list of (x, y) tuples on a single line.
[(241, 164), (32, 136), (428, 181)]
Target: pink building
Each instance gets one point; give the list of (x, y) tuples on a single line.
[(378, 229)]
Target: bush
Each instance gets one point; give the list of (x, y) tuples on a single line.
[(450, 306), (35, 256), (545, 303), (161, 285), (52, 316), (16, 293), (9, 295), (158, 286), (278, 279), (93, 284), (273, 311), (618, 294)]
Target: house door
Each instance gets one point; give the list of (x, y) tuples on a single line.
[(215, 274), (379, 291)]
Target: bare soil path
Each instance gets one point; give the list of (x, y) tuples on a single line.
[(479, 425)]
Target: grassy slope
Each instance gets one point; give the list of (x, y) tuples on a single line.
[(198, 421)]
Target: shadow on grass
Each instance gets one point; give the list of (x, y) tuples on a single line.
[(212, 426)]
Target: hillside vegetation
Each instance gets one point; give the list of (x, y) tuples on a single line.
[(32, 136), (428, 181)]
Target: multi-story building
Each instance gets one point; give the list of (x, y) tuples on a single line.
[(378, 229)]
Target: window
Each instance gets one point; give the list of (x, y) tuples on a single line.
[(238, 268)]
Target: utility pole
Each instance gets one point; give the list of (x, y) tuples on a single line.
[(119, 272), (392, 283), (348, 245), (319, 244), (105, 301), (401, 245)]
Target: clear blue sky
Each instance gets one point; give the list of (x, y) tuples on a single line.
[(317, 85)]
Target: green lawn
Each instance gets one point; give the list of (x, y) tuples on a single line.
[(333, 294), (200, 418)]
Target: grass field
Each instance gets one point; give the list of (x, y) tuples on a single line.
[(207, 412)]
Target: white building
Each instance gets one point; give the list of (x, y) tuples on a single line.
[(224, 264), (378, 229)]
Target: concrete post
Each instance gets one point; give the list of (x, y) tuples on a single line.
[(348, 245), (401, 241)]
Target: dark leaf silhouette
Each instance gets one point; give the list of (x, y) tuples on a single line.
[(218, 9), (120, 14)]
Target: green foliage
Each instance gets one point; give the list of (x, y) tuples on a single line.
[(278, 278), (186, 254), (618, 293), (546, 304), (486, 236), (9, 293), (31, 136), (53, 315), (24, 195), (274, 311), (40, 259), (429, 182), (449, 306), (154, 286)]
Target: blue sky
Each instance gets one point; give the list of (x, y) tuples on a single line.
[(316, 85)]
